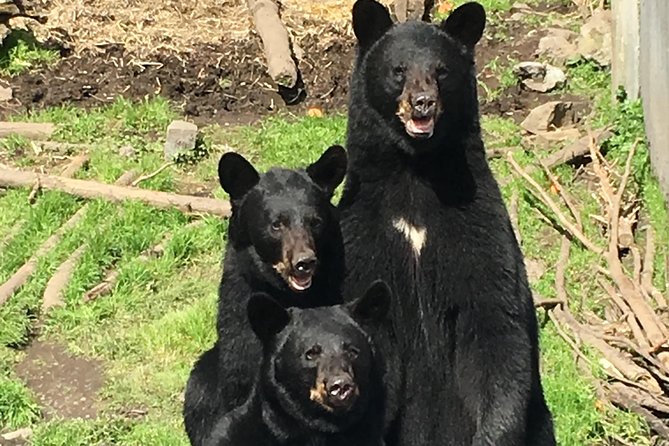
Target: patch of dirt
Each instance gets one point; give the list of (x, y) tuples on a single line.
[(66, 386), (225, 83)]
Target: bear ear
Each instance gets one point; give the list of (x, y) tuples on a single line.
[(266, 316), (328, 172), (370, 21), (236, 175), (466, 23), (374, 305)]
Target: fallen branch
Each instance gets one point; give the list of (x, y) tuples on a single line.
[(77, 163), (276, 43), (20, 277), (548, 201), (648, 269), (563, 194), (92, 189), (30, 130), (53, 294)]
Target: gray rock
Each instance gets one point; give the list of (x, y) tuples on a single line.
[(595, 42), (548, 117), (181, 139), (6, 94), (127, 151), (557, 45), (540, 77)]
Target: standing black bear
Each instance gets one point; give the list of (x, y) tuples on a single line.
[(321, 381), (284, 240), (422, 211)]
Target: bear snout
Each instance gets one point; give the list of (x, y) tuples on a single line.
[(341, 391)]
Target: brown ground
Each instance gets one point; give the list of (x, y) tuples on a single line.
[(66, 386), (222, 78)]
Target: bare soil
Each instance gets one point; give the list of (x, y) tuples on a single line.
[(66, 386)]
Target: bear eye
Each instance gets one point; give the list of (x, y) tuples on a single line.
[(313, 352), (353, 352), (276, 225), (442, 71), (316, 222), (398, 71)]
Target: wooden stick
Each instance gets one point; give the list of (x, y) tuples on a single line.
[(569, 226), (152, 174), (77, 163), (563, 194), (648, 269), (53, 294), (30, 130), (92, 189), (276, 42), (20, 277)]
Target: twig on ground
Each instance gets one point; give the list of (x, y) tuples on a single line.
[(77, 163), (548, 201), (648, 269), (32, 196), (563, 194), (152, 174)]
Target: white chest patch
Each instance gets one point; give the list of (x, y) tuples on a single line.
[(416, 236)]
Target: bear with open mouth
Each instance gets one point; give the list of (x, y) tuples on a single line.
[(283, 240)]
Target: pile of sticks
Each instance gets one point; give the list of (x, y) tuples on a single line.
[(632, 335)]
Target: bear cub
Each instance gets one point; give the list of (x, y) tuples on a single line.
[(283, 240), (320, 383)]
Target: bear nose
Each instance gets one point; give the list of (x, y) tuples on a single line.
[(423, 104), (341, 391), (306, 263)]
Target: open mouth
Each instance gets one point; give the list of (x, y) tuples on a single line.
[(300, 281), (420, 128)]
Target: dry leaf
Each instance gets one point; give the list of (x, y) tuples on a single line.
[(315, 112)]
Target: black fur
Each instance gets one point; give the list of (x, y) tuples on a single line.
[(463, 313), (276, 215), (281, 409)]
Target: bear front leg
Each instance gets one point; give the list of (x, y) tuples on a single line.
[(494, 374)]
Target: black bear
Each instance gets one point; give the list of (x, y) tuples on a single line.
[(284, 240), (422, 211), (321, 382)]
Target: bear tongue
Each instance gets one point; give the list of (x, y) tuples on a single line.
[(299, 283), (421, 128)]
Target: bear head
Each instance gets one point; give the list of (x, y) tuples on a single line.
[(284, 216), (418, 76), (320, 363)]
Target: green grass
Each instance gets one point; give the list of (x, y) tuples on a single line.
[(20, 52)]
